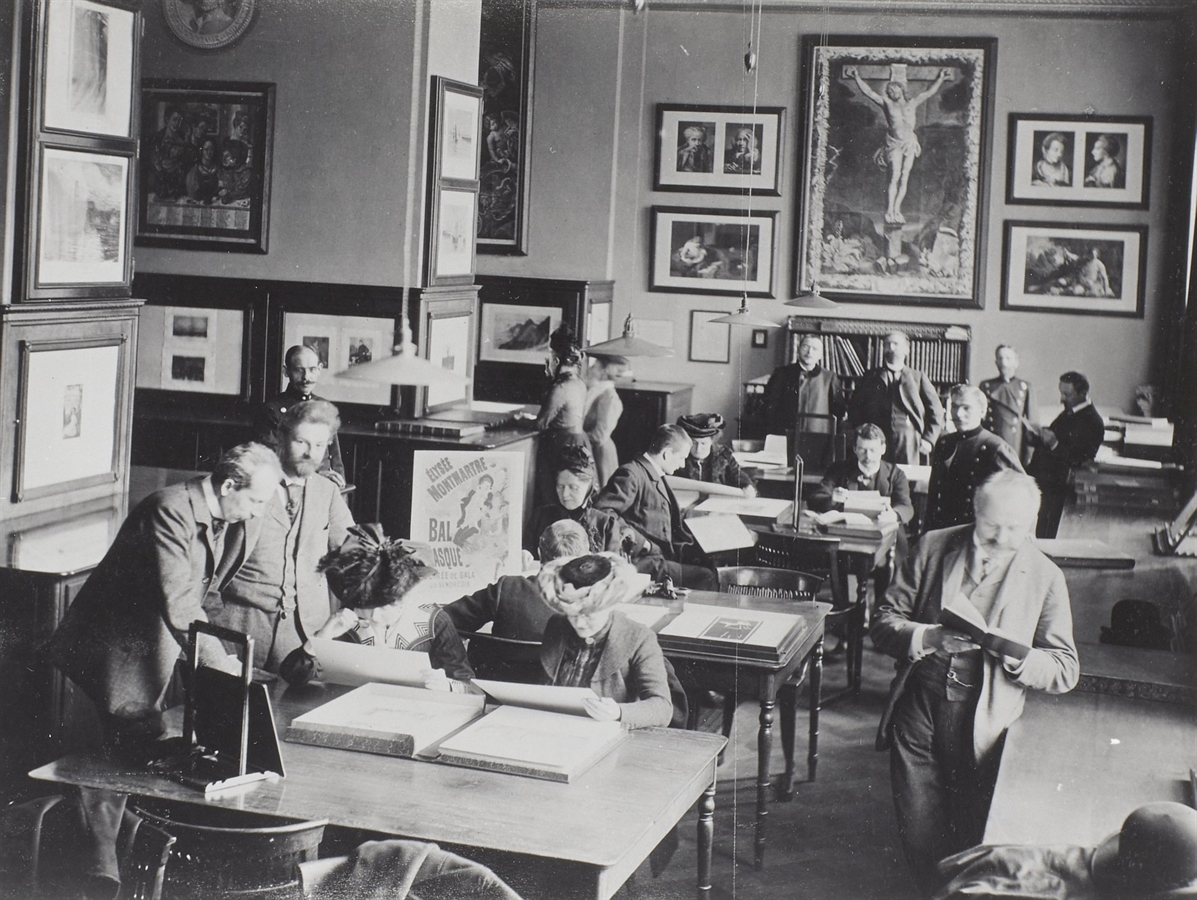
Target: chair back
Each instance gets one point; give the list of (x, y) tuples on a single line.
[(20, 846), (503, 658), (221, 854), (144, 850), (755, 581)]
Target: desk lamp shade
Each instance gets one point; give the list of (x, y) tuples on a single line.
[(743, 316), (405, 367), (812, 299), (628, 344)]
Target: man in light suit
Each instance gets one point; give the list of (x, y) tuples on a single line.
[(277, 596), (951, 702), (901, 401)]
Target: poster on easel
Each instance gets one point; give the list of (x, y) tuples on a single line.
[(468, 506)]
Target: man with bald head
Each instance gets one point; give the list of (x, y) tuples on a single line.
[(302, 367), (798, 392), (951, 702)]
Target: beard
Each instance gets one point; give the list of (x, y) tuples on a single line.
[(302, 468)]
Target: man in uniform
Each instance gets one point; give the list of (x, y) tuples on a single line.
[(1010, 402), (901, 401), (302, 367), (798, 392)]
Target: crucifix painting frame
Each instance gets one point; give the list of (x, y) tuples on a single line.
[(896, 163)]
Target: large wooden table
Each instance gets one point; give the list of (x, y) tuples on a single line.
[(548, 839), (720, 669)]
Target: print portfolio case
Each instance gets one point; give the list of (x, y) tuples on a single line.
[(727, 631)]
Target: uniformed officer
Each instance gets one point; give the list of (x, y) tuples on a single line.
[(963, 459), (1010, 400), (302, 367)]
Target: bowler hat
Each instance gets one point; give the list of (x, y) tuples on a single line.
[(1136, 623), (1153, 857), (702, 425)]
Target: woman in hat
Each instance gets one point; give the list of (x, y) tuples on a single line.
[(603, 409), (709, 461), (588, 644), (561, 411)]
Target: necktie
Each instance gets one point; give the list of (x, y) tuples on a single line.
[(218, 526), (294, 498)]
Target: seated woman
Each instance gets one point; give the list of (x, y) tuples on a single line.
[(372, 577), (709, 461), (588, 644), (608, 532)]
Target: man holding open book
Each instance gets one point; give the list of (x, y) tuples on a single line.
[(977, 615)]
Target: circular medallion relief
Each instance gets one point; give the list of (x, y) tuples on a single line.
[(208, 24)]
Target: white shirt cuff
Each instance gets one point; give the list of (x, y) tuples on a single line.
[(917, 650)]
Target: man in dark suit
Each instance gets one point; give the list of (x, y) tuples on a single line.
[(277, 596), (302, 368), (900, 401), (962, 460), (1011, 401), (866, 471), (798, 392), (1072, 439), (638, 492), (951, 702), (122, 636)]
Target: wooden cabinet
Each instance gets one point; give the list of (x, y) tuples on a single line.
[(647, 405)]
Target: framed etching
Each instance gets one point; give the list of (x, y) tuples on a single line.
[(71, 408), (452, 216), (457, 111), (719, 149), (712, 251), (1058, 160), (1062, 267), (895, 164), (709, 341), (206, 152), (514, 333), (445, 330), (506, 50), (88, 64), (193, 349)]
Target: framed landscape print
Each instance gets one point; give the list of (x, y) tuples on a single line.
[(712, 251), (206, 152), (457, 110), (451, 236), (1068, 268), (515, 333), (719, 149), (1058, 160), (895, 164)]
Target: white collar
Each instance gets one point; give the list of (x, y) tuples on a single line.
[(1080, 406), (652, 463)]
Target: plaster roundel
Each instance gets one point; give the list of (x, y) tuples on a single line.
[(208, 24)]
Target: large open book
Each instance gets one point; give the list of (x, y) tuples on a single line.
[(386, 718), (720, 531), (965, 619), (722, 631), (532, 742)]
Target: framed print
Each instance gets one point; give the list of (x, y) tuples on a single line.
[(194, 349), (342, 342), (71, 409), (760, 339), (1058, 160), (208, 24), (448, 342), (895, 164), (719, 149), (712, 251), (451, 230), (709, 341), (81, 223), (457, 109), (1068, 268), (206, 152), (88, 67), (506, 49), (598, 323), (515, 333)]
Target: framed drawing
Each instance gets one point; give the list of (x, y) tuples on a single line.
[(205, 165), (516, 334), (451, 218), (457, 111), (895, 213), (446, 337), (194, 349), (87, 65), (719, 149), (598, 323), (507, 43), (1058, 160), (80, 221), (71, 408), (1063, 267), (342, 342), (712, 251), (709, 341)]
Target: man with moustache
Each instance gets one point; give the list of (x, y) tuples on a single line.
[(302, 367), (799, 392), (900, 401), (1011, 402)]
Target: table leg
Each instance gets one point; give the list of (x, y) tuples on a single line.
[(816, 706), (706, 839), (788, 715), (764, 749), (862, 606)]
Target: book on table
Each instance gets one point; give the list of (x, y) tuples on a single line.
[(965, 618), (344, 662), (848, 524), (720, 531), (721, 631), (393, 720), (752, 509)]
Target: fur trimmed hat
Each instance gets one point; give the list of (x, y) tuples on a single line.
[(702, 425), (589, 584)]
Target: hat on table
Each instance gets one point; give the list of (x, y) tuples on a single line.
[(1153, 857)]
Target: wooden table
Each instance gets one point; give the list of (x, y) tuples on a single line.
[(721, 670), (1076, 764), (577, 840)]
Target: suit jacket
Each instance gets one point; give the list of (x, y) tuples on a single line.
[(646, 503), (788, 395), (1031, 607), (323, 524), (916, 396), (1079, 436), (121, 637), (958, 466), (270, 413), (1009, 401), (513, 603), (891, 482), (631, 671)]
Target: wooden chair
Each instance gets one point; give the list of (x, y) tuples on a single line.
[(20, 846), (144, 850), (503, 658), (222, 854)]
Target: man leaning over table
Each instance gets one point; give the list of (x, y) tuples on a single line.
[(951, 702)]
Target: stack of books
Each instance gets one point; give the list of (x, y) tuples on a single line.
[(720, 631), (429, 428)]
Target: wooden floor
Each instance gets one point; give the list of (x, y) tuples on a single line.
[(835, 841)]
